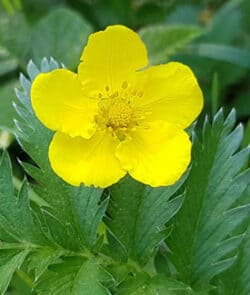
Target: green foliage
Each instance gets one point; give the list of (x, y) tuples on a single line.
[(7, 62), (19, 227), (75, 276), (225, 24), (143, 284), (7, 96), (203, 241), (10, 261), (60, 34), (222, 53), (138, 215), (236, 280), (17, 221), (17, 45), (131, 239), (52, 235), (163, 41)]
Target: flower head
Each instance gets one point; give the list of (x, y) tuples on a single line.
[(117, 115)]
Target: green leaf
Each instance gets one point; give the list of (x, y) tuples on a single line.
[(7, 111), (237, 279), (41, 259), (75, 276), (10, 261), (61, 34), (237, 56), (74, 213), (138, 214), (15, 35), (184, 14), (226, 23), (11, 5), (163, 41), (143, 284), (20, 230), (88, 213), (203, 242), (17, 221)]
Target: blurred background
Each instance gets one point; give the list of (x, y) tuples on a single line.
[(211, 36)]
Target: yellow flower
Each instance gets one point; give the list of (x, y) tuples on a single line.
[(117, 115)]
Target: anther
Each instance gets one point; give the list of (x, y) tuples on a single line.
[(115, 94), (107, 88), (140, 94), (100, 95), (124, 84)]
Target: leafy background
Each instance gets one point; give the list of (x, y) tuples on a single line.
[(213, 37)]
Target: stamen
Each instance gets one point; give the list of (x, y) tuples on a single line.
[(124, 84), (116, 110), (119, 114), (115, 94), (140, 94)]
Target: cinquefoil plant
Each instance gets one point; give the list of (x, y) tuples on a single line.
[(190, 237)]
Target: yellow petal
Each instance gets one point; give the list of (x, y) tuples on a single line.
[(170, 93), (157, 155), (59, 103), (88, 161), (110, 57)]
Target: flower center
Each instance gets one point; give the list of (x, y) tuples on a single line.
[(119, 114)]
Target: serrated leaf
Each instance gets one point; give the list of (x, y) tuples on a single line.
[(61, 34), (74, 276), (138, 214), (203, 243), (10, 261), (237, 279), (88, 213), (75, 212), (21, 231), (17, 222), (41, 259), (142, 284), (163, 41)]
